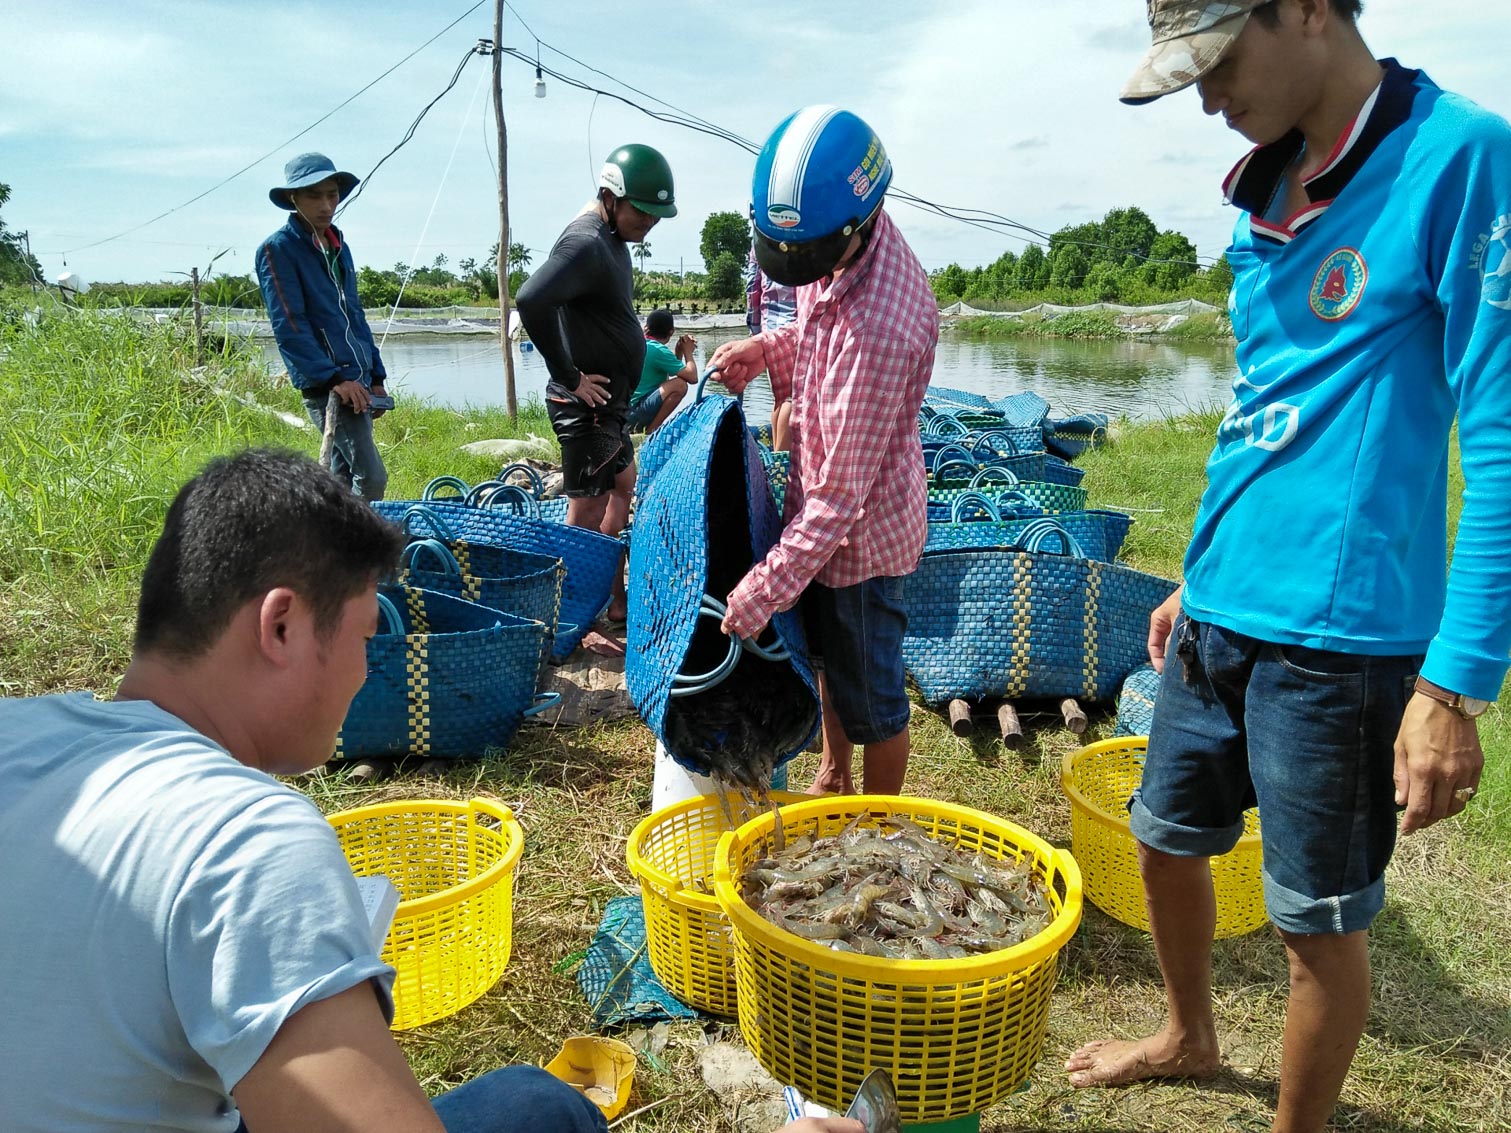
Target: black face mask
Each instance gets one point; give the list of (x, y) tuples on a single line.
[(793, 264)]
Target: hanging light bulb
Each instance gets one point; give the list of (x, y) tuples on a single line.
[(540, 83)]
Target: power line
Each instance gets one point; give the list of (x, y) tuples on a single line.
[(984, 219), (408, 134), (281, 145)]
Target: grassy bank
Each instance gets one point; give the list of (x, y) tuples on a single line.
[(108, 417), (1091, 325)]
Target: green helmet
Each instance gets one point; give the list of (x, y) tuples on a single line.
[(641, 175)]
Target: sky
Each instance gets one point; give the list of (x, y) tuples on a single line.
[(112, 114)]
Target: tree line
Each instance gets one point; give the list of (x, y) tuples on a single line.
[(1122, 258)]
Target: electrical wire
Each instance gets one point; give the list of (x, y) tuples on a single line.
[(413, 126), (439, 188), (281, 145), (983, 219)]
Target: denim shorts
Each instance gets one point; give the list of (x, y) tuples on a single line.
[(1306, 735), (855, 639), (644, 411)]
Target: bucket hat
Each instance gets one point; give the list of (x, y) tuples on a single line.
[(309, 169), (1190, 38)]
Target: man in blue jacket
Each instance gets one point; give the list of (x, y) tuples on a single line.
[(309, 286), (1329, 670)]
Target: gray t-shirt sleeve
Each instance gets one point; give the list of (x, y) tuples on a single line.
[(268, 920)]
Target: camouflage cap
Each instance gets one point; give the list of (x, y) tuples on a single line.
[(1190, 37)]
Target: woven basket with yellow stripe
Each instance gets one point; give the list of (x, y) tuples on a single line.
[(1003, 623), (445, 678)]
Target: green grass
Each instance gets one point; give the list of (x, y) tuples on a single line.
[(1089, 325), (82, 493)]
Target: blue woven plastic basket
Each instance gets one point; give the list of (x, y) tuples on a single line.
[(999, 623), (1099, 534), (1026, 408), (591, 559), (1136, 702), (517, 582), (705, 517), (445, 679)]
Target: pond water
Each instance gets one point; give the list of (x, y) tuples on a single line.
[(1129, 378)]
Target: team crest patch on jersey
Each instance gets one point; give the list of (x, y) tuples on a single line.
[(1493, 259), (1339, 285)]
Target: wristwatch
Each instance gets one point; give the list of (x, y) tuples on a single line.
[(1469, 707)]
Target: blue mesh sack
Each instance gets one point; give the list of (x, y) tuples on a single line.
[(616, 977), (517, 582), (1136, 702), (722, 706), (445, 679), (1003, 623), (591, 559)]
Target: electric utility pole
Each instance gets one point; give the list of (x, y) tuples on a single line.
[(501, 266)]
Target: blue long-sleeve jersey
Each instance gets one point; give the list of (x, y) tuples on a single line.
[(317, 318), (1364, 323)]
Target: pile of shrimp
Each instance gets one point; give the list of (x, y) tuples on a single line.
[(892, 890)]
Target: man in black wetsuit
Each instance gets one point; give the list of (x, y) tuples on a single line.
[(578, 309)]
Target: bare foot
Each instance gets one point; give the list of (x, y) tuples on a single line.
[(835, 785), (1111, 1062)]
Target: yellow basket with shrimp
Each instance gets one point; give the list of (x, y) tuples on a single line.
[(1098, 779), (956, 1035), (671, 853), (453, 865)]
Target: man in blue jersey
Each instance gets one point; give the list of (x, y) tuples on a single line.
[(1327, 670)]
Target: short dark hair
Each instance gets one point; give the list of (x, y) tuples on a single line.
[(659, 323), (1269, 14), (247, 523)]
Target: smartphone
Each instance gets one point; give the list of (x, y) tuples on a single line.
[(380, 401)]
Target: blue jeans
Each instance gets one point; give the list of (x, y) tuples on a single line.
[(354, 455), (855, 639), (1306, 734), (515, 1099)]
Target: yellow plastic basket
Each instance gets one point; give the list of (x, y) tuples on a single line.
[(956, 1035), (671, 852), (453, 865), (1098, 779)]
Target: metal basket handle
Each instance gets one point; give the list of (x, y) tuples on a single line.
[(1040, 530), (434, 547), (537, 485), (456, 483), (973, 500), (952, 454), (995, 472), (389, 615), (438, 526)]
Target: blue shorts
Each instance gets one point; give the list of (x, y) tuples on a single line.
[(644, 411), (855, 639), (1306, 735)]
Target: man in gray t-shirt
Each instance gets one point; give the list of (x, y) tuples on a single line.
[(184, 945)]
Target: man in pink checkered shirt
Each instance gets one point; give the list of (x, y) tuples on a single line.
[(861, 351)]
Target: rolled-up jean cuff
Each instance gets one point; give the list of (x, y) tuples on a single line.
[(1297, 913), (1177, 840)]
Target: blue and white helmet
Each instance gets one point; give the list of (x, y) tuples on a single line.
[(821, 175)]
